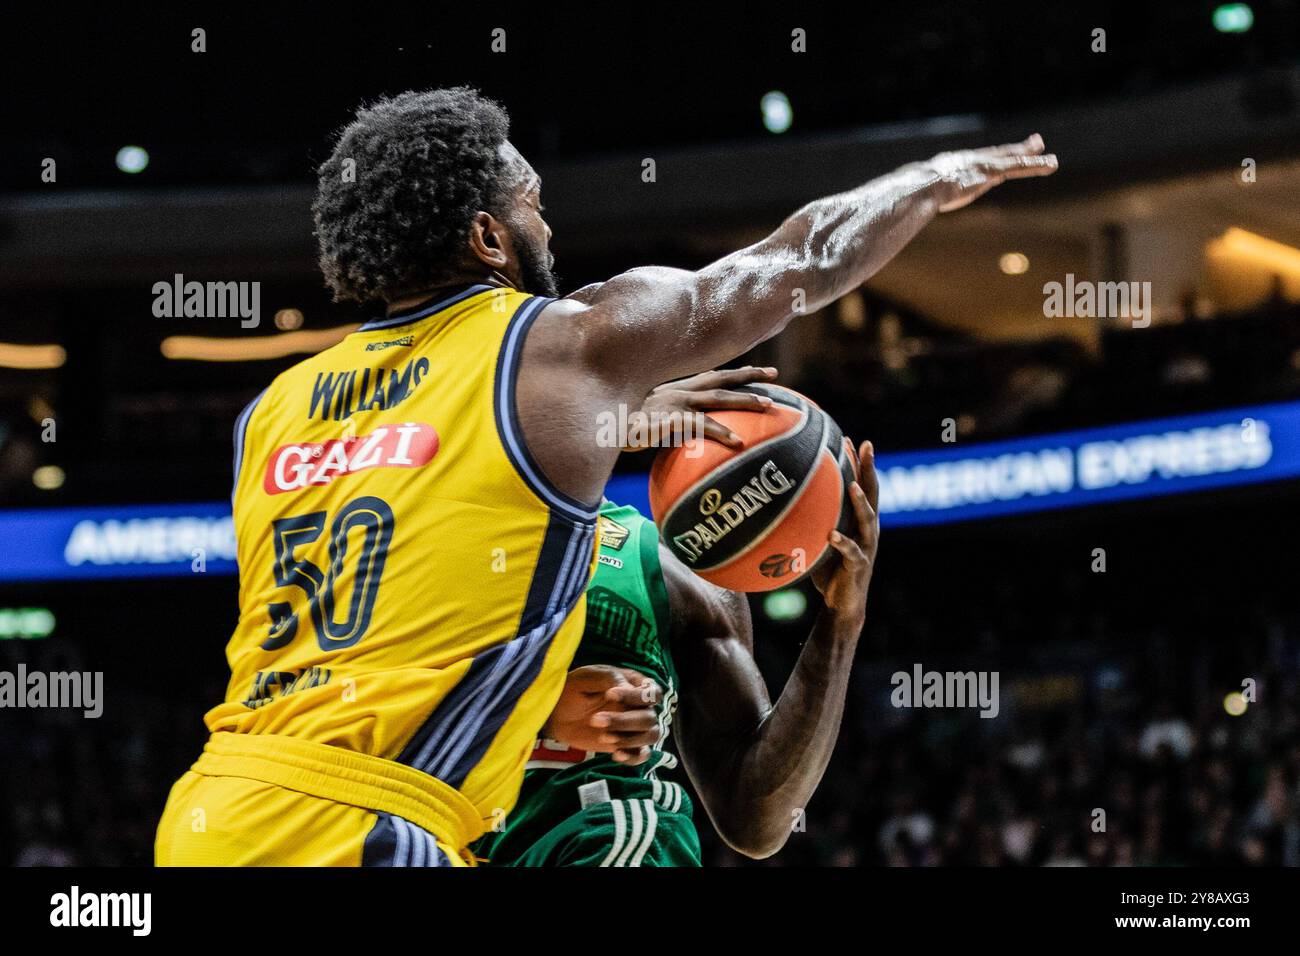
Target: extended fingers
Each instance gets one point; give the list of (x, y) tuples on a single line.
[(719, 398), (723, 378), (628, 732), (719, 432), (730, 377), (598, 678), (633, 757), (853, 457), (862, 511), (867, 475), (1031, 145), (849, 549), (1022, 167)]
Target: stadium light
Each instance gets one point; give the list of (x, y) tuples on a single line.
[(1014, 263), (287, 320), (786, 605), (852, 312), (1233, 18), (31, 356), (777, 112), (48, 477), (132, 159), (26, 623), (1265, 253), (200, 348)]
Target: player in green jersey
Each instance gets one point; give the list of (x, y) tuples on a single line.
[(754, 764)]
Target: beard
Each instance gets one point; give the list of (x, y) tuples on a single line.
[(535, 262)]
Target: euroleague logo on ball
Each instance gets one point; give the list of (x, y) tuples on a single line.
[(776, 565)]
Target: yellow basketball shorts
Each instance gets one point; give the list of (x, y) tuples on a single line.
[(264, 800)]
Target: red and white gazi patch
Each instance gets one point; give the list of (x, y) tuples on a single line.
[(292, 467)]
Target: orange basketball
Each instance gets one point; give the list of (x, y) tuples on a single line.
[(756, 518)]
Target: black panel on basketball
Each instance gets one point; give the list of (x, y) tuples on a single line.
[(750, 492)]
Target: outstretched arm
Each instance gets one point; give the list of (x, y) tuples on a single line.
[(755, 765), (607, 345), (653, 324)]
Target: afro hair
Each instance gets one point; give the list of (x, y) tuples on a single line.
[(395, 200)]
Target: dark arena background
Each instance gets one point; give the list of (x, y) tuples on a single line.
[(1099, 507)]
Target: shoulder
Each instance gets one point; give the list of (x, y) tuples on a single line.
[(584, 322), (561, 334)]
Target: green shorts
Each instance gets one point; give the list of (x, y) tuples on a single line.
[(614, 833)]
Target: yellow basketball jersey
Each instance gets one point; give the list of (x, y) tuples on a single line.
[(410, 585)]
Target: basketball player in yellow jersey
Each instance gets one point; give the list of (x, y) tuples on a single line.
[(415, 508)]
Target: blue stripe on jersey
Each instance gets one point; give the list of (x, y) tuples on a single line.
[(423, 749), (393, 841), (393, 321), (472, 738), (459, 731), (241, 430), (507, 415)]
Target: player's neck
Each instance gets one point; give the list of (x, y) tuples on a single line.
[(416, 299)]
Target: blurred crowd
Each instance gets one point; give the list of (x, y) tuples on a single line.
[(1114, 744), (893, 375), (78, 792), (1158, 788), (1150, 714)]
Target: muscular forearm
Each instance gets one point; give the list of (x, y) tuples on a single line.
[(780, 766), (655, 324), (824, 250), (835, 244)]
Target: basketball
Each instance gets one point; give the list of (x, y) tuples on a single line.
[(758, 517)]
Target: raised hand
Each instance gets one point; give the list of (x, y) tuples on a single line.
[(843, 581), (967, 174)]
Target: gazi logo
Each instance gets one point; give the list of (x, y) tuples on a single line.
[(292, 467)]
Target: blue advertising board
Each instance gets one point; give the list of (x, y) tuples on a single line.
[(1067, 469)]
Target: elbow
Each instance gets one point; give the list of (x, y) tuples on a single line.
[(772, 331), (756, 846), (757, 832)]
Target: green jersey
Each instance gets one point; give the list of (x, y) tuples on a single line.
[(568, 794)]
